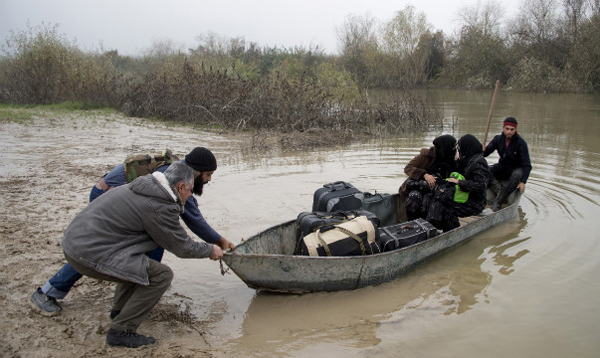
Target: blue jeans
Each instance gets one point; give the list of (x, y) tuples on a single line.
[(95, 193), (61, 283)]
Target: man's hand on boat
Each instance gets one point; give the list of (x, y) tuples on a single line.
[(225, 244), (217, 253)]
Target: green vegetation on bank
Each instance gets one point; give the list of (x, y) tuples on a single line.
[(25, 114), (14, 113), (550, 46), (222, 84)]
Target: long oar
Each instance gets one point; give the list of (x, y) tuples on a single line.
[(487, 129)]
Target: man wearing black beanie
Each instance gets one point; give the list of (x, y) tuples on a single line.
[(203, 162), (201, 159)]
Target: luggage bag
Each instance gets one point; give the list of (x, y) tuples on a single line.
[(354, 237), (405, 234), (310, 221), (337, 196), (382, 205)]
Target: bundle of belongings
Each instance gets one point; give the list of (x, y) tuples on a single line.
[(423, 202), (338, 226), (340, 233)]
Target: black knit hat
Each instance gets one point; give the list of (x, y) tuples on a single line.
[(201, 159)]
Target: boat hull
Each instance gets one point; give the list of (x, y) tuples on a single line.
[(266, 261)]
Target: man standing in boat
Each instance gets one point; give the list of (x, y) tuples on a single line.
[(514, 164)]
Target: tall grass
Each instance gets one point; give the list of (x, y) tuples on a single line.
[(239, 87)]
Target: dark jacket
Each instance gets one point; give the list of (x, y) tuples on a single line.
[(516, 155), (192, 217), (476, 173), (474, 167), (113, 233), (417, 167)]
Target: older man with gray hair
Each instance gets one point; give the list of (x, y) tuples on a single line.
[(109, 240)]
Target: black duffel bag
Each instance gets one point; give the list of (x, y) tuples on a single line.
[(358, 236), (308, 222), (405, 234)]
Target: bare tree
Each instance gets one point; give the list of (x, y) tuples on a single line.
[(575, 14), (161, 49), (211, 44), (484, 17), (401, 37), (478, 57), (357, 33), (595, 6), (358, 44), (540, 15)]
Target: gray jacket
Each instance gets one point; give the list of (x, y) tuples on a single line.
[(113, 233)]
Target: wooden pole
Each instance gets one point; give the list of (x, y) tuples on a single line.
[(487, 129)]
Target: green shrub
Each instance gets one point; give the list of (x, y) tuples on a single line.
[(533, 75), (40, 66), (341, 83), (219, 87)]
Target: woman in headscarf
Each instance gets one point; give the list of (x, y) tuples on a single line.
[(432, 164), (474, 167)]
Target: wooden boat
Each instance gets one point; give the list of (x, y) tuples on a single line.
[(266, 261)]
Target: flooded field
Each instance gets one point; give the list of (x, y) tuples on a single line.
[(525, 288)]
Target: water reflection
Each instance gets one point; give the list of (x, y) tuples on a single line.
[(502, 259)]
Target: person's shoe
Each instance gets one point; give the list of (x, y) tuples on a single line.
[(46, 305), (114, 313), (487, 212), (127, 339)]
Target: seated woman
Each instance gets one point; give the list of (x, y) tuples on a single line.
[(474, 167), (431, 164)]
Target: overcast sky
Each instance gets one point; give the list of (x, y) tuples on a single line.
[(131, 26)]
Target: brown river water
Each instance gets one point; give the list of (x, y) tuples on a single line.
[(528, 288)]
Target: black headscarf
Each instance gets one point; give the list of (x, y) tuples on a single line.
[(468, 146), (445, 150)]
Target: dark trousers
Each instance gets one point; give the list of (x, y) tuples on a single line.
[(59, 285), (133, 300), (511, 175)]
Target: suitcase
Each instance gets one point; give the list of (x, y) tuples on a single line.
[(405, 234), (354, 237), (382, 205), (310, 221), (337, 196)]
